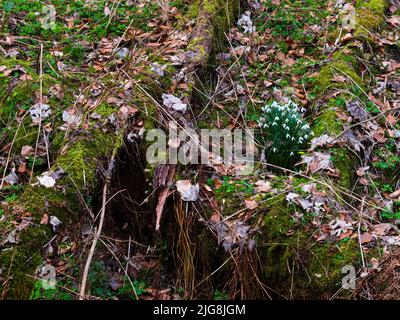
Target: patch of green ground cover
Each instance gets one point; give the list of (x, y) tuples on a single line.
[(17, 95), (387, 164), (80, 161), (292, 21), (369, 17), (90, 17), (294, 263)]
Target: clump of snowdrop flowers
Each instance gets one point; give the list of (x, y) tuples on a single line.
[(284, 133)]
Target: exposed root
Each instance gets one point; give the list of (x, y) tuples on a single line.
[(185, 249)]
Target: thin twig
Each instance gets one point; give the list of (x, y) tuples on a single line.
[(100, 227), (40, 114), (359, 232)]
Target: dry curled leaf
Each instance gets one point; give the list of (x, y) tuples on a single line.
[(250, 204), (365, 237), (263, 186), (45, 219), (318, 161), (170, 101), (356, 110), (187, 191)]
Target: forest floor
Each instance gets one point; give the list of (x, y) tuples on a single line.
[(83, 82)]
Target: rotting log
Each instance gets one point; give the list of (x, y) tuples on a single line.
[(213, 19)]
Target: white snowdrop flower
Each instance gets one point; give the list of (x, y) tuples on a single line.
[(312, 134), (276, 119), (305, 127), (293, 139), (286, 120), (266, 126), (305, 136), (274, 124), (300, 140), (292, 154), (274, 150), (288, 136), (299, 121), (287, 128)]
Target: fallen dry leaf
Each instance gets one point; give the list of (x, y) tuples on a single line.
[(187, 191), (45, 219), (318, 161), (394, 20), (27, 151), (263, 186), (250, 204), (365, 237), (361, 171), (395, 194)]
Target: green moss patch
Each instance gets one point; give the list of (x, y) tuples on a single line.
[(369, 16)]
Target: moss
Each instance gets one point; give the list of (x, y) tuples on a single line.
[(314, 268), (342, 159), (195, 43), (41, 200), (150, 116), (193, 10), (58, 141), (341, 66), (346, 163), (278, 219), (210, 6), (23, 260), (276, 248), (80, 161), (218, 14), (327, 123), (326, 261), (227, 11), (26, 256), (369, 16), (19, 94), (105, 110), (26, 134)]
